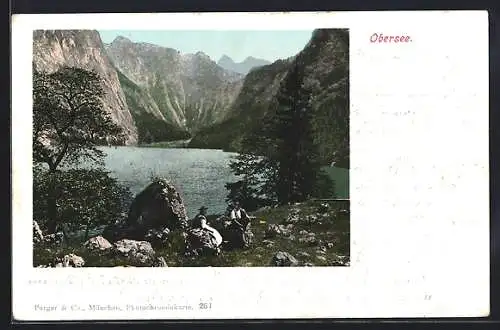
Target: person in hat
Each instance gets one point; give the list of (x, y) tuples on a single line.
[(200, 221)]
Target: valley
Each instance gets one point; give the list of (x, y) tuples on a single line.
[(157, 94)]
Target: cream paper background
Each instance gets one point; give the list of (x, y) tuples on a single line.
[(419, 184)]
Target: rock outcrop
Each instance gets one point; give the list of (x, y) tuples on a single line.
[(98, 244), (274, 230), (284, 259), (154, 213), (158, 206), (137, 251), (200, 242), (37, 233), (69, 260)]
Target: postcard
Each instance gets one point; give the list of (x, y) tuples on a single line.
[(250, 165)]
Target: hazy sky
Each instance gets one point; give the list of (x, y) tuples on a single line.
[(268, 45)]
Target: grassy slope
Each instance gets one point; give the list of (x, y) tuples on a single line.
[(334, 228)]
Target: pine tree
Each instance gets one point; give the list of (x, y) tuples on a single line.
[(279, 161), (296, 152)]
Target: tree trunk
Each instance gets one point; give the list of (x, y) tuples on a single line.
[(65, 235), (52, 205), (87, 229)]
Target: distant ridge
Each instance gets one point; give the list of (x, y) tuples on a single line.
[(243, 67)]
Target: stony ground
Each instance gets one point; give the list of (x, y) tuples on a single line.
[(315, 235)]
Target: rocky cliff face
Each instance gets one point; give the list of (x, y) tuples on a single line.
[(187, 91), (325, 60), (53, 49)]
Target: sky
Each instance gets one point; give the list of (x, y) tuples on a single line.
[(268, 45)]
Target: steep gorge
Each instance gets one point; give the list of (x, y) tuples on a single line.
[(188, 91)]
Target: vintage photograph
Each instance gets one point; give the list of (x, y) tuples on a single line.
[(175, 148)]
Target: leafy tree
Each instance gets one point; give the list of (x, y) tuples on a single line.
[(69, 120), (86, 198)]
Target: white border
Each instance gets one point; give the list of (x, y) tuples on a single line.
[(419, 221)]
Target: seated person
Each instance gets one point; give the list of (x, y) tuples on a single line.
[(239, 216), (200, 221)]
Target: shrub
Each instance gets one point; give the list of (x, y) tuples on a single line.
[(84, 198)]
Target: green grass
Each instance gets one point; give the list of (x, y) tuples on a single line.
[(334, 229)]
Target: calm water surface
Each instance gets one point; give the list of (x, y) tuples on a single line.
[(198, 174)]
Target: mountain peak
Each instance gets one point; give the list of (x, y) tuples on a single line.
[(121, 39), (243, 67), (225, 58), (202, 55)]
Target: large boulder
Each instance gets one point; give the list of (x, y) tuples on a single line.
[(284, 259), (158, 206), (138, 251), (200, 242), (98, 244), (37, 233), (69, 260), (154, 213)]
